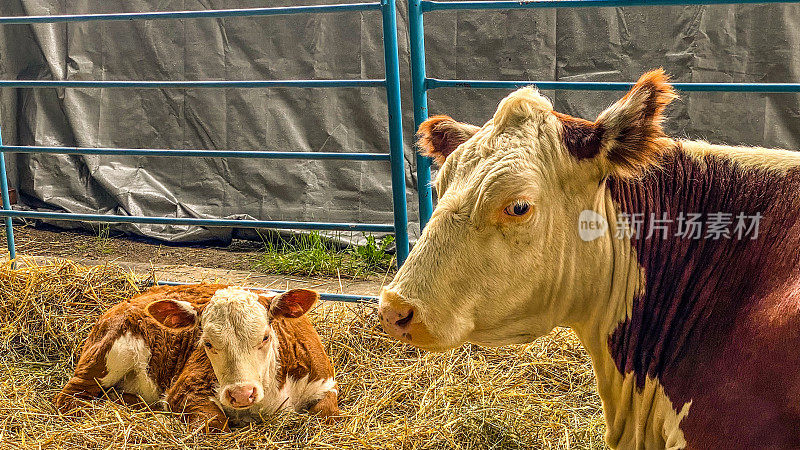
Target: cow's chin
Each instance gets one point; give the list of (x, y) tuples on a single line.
[(495, 337), (418, 335), (484, 339)]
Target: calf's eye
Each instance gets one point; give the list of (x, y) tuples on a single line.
[(266, 338), (208, 345), (518, 208)]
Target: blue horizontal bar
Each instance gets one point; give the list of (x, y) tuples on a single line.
[(204, 84), (433, 83), (201, 222), (194, 153), (207, 14), (349, 298), (530, 4)]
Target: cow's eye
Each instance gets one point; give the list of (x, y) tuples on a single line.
[(518, 208), (208, 345), (266, 338)]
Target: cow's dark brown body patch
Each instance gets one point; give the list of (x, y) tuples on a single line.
[(719, 321)]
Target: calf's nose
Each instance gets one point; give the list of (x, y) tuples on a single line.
[(241, 396)]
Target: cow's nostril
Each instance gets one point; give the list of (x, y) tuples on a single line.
[(405, 320)]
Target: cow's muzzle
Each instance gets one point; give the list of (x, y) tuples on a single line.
[(402, 321)]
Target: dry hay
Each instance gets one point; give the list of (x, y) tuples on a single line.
[(540, 395)]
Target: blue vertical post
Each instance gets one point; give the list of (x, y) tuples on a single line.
[(420, 95), (397, 159), (12, 253)]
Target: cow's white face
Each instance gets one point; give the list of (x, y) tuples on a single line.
[(238, 337), (501, 260)]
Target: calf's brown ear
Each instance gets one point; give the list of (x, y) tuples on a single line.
[(293, 303), (173, 313), (439, 136)]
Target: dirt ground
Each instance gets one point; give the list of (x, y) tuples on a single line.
[(183, 263), (56, 243)]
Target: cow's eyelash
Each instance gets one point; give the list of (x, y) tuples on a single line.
[(517, 208)]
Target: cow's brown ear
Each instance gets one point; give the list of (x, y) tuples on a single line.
[(581, 137), (439, 136), (631, 128), (173, 313), (293, 303)]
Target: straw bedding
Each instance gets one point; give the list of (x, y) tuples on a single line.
[(540, 395)]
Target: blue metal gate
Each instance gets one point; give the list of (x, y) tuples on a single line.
[(421, 83), (391, 83)]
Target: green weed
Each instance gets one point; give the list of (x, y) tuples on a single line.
[(315, 255), (101, 242)]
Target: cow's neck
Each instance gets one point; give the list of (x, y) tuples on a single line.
[(666, 296)]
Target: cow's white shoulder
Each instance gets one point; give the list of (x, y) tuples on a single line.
[(642, 418)]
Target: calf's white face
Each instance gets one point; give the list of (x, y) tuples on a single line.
[(240, 344), (501, 260), (239, 340)]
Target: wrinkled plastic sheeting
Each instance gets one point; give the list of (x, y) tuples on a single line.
[(732, 43)]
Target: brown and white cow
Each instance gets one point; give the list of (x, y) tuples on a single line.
[(695, 342), (214, 352)]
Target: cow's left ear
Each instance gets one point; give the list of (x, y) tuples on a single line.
[(439, 136), (293, 303), (626, 136)]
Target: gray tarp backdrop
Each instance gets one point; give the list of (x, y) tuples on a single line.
[(749, 43)]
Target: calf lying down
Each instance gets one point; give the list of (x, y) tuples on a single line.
[(216, 353)]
